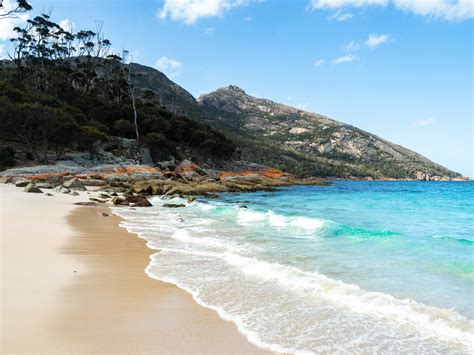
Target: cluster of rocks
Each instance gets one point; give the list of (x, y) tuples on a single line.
[(135, 182)]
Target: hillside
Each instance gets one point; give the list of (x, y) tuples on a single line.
[(309, 143)]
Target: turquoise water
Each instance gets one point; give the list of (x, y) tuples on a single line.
[(354, 267)]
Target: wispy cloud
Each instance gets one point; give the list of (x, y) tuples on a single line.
[(344, 59), (449, 10), (319, 62), (248, 19), (189, 11), (169, 66), (376, 40), (424, 123), (341, 16), (210, 30), (352, 46)]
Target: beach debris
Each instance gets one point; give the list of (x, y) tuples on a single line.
[(74, 184), (22, 182), (174, 205), (73, 193), (97, 200), (86, 204), (103, 214), (31, 187)]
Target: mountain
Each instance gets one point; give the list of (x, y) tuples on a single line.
[(288, 138)]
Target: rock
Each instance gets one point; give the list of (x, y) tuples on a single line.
[(104, 196), (166, 165), (97, 200), (138, 201), (191, 199), (86, 204), (31, 187), (120, 201), (113, 194), (72, 193), (146, 157), (173, 205), (94, 182), (48, 194), (212, 195), (103, 214), (187, 169), (22, 182), (74, 184), (243, 206), (44, 185)]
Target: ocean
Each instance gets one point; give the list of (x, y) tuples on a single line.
[(356, 267)]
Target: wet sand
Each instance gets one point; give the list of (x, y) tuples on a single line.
[(73, 281)]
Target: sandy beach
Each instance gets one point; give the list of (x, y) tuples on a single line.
[(73, 281)]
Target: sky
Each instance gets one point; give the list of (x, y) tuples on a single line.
[(401, 69)]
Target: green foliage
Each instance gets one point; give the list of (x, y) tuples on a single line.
[(7, 157)]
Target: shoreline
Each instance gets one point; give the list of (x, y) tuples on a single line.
[(93, 294)]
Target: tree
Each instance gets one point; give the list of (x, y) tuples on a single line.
[(130, 91), (21, 7)]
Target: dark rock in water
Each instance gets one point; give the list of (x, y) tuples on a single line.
[(75, 184), (118, 200), (173, 205), (191, 199), (31, 187), (22, 182), (97, 200), (48, 194), (113, 194), (212, 195), (87, 204), (243, 206), (138, 201), (103, 214)]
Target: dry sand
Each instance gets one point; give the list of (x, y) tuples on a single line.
[(73, 281)]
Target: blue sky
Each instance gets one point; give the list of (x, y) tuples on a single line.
[(402, 69)]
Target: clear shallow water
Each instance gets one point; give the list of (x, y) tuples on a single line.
[(354, 267)]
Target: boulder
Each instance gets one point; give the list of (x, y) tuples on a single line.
[(188, 170), (31, 187), (104, 196), (73, 193), (22, 182), (191, 199), (138, 201), (74, 184), (120, 201), (44, 185), (103, 214)]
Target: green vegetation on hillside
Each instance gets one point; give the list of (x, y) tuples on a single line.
[(64, 91)]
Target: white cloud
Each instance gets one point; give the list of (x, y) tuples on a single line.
[(450, 10), (303, 106), (7, 24), (209, 30), (424, 123), (319, 62), (66, 25), (376, 40), (352, 46), (336, 4), (444, 9), (344, 59), (189, 11), (248, 19), (169, 66), (341, 16)]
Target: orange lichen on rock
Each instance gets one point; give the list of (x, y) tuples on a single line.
[(271, 173)]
